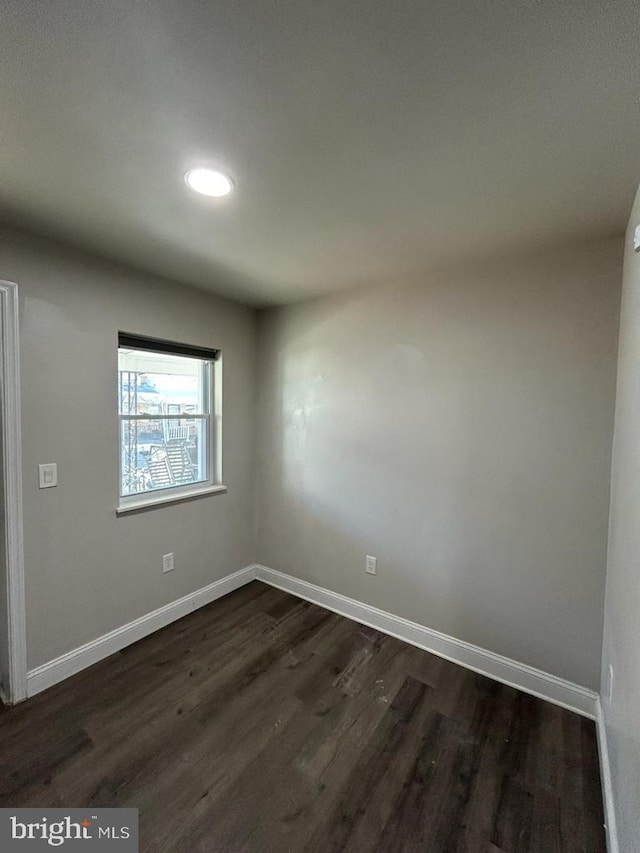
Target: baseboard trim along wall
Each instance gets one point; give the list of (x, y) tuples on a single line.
[(607, 782), (519, 675), (564, 693), (69, 664)]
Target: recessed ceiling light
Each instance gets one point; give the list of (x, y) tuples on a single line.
[(209, 182)]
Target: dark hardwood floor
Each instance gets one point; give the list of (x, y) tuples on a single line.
[(264, 723)]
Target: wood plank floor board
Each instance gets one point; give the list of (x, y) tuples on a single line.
[(385, 746), (491, 725), (185, 716), (352, 734), (471, 842), (288, 675), (337, 714), (413, 821), (264, 723)]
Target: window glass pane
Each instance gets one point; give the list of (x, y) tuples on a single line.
[(162, 454), (158, 384)]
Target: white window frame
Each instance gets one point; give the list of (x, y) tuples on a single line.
[(211, 447)]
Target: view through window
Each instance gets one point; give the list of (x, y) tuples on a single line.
[(164, 403)]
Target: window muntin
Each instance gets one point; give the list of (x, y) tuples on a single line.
[(165, 429)]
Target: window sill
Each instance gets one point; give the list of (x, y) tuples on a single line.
[(150, 503)]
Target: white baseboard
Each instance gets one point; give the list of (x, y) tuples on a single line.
[(534, 681), (57, 670), (521, 676), (607, 782)]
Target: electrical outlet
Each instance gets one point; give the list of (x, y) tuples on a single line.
[(610, 683), (47, 475), (167, 563), (370, 565)]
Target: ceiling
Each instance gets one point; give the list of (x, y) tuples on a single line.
[(368, 139)]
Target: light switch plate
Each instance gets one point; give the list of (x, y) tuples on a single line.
[(48, 475), (636, 239)]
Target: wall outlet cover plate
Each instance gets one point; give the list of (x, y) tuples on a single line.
[(48, 475)]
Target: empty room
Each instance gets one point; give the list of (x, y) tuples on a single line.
[(320, 426)]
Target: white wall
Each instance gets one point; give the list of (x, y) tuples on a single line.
[(88, 572), (459, 428), (622, 604)]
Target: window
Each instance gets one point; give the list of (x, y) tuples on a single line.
[(169, 421)]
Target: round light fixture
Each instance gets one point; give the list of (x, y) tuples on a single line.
[(209, 182)]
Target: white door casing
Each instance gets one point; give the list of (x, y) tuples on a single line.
[(14, 686)]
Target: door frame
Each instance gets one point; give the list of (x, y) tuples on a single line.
[(10, 404)]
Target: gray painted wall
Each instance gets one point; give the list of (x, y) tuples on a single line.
[(460, 429), (622, 604), (88, 572)]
